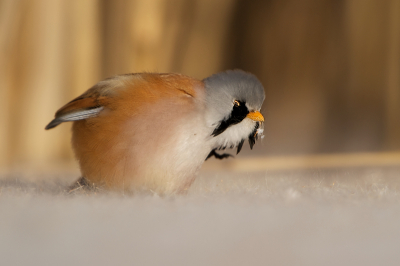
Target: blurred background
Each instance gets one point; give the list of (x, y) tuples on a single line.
[(330, 68)]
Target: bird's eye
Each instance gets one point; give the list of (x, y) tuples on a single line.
[(236, 103)]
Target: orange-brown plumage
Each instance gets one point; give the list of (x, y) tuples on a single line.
[(142, 131), (102, 144)]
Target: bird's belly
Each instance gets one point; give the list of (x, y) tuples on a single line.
[(161, 149), (168, 166), (165, 163)]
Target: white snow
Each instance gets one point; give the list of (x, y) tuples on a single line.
[(312, 217)]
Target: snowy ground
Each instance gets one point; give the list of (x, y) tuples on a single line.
[(299, 217)]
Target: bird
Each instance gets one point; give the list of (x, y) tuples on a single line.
[(153, 131)]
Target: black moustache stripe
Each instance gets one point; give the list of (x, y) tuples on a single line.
[(253, 136), (240, 145), (237, 115)]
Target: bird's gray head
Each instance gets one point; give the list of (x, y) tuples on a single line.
[(234, 99)]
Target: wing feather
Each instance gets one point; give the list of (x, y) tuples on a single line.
[(75, 116)]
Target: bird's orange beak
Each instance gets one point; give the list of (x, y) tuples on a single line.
[(256, 116)]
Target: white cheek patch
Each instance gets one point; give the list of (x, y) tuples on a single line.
[(233, 135)]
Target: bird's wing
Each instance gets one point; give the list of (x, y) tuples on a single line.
[(153, 87), (88, 105)]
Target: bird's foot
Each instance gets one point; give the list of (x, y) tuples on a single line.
[(82, 184)]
